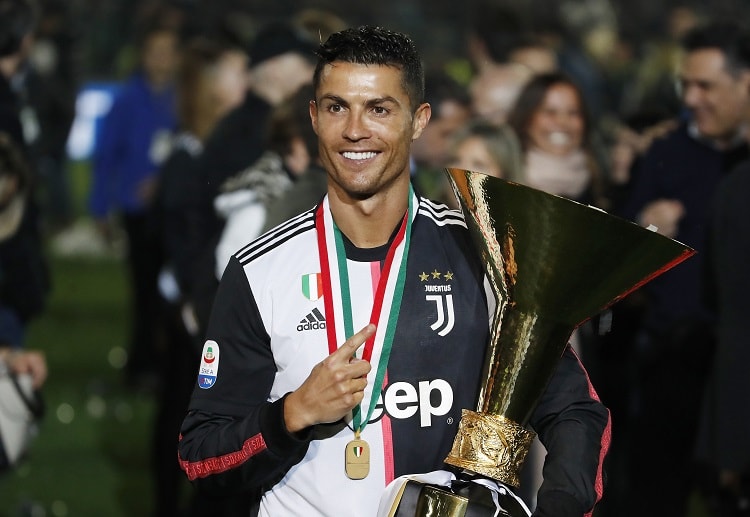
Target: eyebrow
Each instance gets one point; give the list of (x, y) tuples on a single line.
[(371, 102)]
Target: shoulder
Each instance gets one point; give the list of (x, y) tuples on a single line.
[(675, 139), (439, 227), (439, 214), (131, 88), (284, 238)]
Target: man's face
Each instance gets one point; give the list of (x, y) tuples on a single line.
[(365, 126), (717, 99), (495, 91), (432, 147), (160, 57)]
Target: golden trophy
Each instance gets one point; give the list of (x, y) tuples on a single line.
[(552, 264)]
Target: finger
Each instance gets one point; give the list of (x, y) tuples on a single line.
[(352, 344), (358, 368), (359, 384)]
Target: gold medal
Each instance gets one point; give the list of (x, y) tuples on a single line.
[(357, 459)]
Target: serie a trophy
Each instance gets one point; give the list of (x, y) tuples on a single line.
[(552, 264)]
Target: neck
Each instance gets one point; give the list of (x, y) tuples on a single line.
[(369, 223), (722, 143)]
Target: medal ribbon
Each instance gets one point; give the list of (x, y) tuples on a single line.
[(389, 331)]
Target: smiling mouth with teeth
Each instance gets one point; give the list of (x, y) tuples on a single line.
[(359, 156), (559, 138)]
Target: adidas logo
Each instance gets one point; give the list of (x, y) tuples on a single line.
[(313, 321)]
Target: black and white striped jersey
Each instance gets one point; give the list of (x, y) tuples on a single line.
[(268, 330)]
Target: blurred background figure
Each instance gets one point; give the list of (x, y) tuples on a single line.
[(651, 84), (489, 148), (672, 188), (134, 141), (723, 448), (533, 53), (281, 57), (24, 277), (211, 80), (451, 110), (15, 431), (50, 83), (554, 127), (247, 198), (482, 146), (495, 90), (291, 135)]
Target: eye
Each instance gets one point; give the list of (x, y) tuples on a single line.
[(335, 108), (380, 110)]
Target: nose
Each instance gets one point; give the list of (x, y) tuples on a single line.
[(355, 128), (691, 95)]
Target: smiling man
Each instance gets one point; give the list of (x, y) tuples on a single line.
[(673, 188), (345, 342)]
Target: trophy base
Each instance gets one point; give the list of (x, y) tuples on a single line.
[(460, 499), (491, 445)]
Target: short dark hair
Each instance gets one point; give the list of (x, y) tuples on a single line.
[(291, 119), (368, 45), (441, 87), (17, 19), (728, 37)]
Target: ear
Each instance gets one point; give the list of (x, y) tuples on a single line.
[(421, 118), (314, 115)]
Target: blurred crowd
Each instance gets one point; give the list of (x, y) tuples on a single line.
[(208, 144)]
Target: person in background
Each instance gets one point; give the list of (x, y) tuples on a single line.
[(210, 81), (295, 139), (50, 81), (553, 125), (494, 92), (671, 190), (533, 53), (725, 425), (451, 110), (485, 147), (247, 198), (24, 275), (280, 62), (552, 122), (14, 358), (134, 141)]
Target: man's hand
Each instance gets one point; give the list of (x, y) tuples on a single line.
[(30, 362), (665, 214), (334, 387)]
